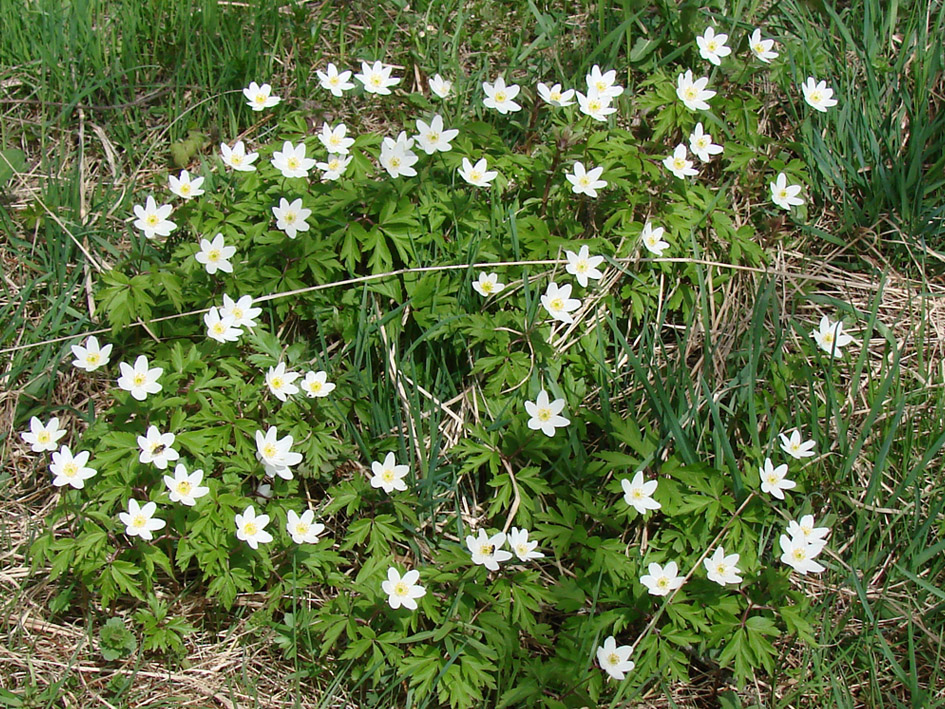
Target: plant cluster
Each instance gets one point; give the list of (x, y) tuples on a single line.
[(411, 388)]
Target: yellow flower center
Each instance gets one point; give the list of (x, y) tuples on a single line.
[(301, 529), (637, 494), (184, 487), (613, 658), (92, 358), (679, 163), (521, 549), (712, 45), (486, 286), (557, 304), (601, 86), (662, 582), (799, 554), (70, 470), (720, 569), (333, 80), (816, 97), (433, 137), (703, 142), (584, 181), (260, 98), (772, 479), (250, 529), (486, 549), (291, 217), (594, 105), (152, 220), (139, 379), (292, 163), (544, 414), (690, 92), (334, 165), (555, 96), (400, 589), (277, 383), (184, 188), (388, 475), (759, 48), (501, 97), (269, 450), (236, 159), (335, 140), (213, 255), (828, 338), (218, 328), (395, 162), (315, 386), (139, 521), (43, 437), (237, 313), (475, 175), (375, 80)]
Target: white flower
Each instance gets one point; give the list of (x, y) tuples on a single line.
[(486, 550), (91, 356), (259, 97), (153, 220), (662, 580), (603, 84), (762, 48), (304, 529), (712, 46), (818, 95), (773, 480), (156, 448), (722, 569), (280, 382), (545, 415), (524, 549), (251, 528), (140, 521), (433, 137), (316, 384), (242, 311), (555, 95), (783, 194), (816, 537), (221, 328), (184, 186), (701, 144), (499, 96), (68, 469), (582, 265), (388, 475), (440, 86), (397, 157), (586, 181), (334, 139), (478, 174), (140, 380), (615, 661), (291, 216), (596, 106), (799, 555), (487, 284), (559, 303), (638, 493), (795, 447), (678, 164), (291, 160), (334, 81), (653, 239), (403, 590), (334, 167), (693, 94), (275, 454), (237, 157), (43, 437), (831, 337), (376, 78), (215, 255), (185, 488)]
